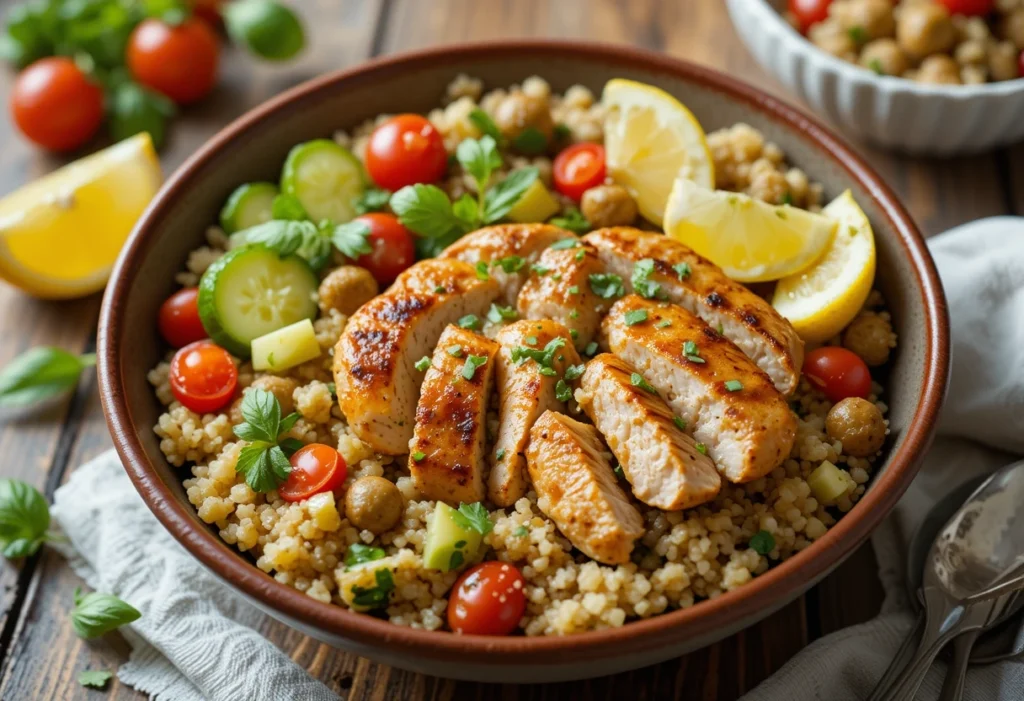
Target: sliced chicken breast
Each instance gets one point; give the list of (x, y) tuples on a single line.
[(375, 358), (516, 245), (559, 288), (577, 489), (446, 453), (701, 287), (527, 391), (730, 406), (661, 462)]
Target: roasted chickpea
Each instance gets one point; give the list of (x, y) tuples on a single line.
[(346, 289), (939, 69), (869, 335), (373, 504), (858, 425), (1003, 61), (518, 112), (830, 36), (925, 28), (1012, 27), (884, 56), (608, 205), (870, 19), (280, 387)]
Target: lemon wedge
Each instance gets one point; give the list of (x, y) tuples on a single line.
[(751, 240), (60, 235), (650, 140), (823, 299)]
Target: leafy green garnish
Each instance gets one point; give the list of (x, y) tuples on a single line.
[(539, 269), (733, 385), (562, 391), (470, 321), (94, 678), (591, 348), (663, 324), (472, 363), (41, 373), (473, 516), (454, 351), (531, 142), (423, 363), (375, 597), (482, 271), (565, 244), (479, 158), (510, 264), (287, 207), (702, 449), (573, 372), (426, 211), (762, 542), (373, 199), (97, 614), (637, 380), (133, 109), (503, 196), (497, 314), (485, 124), (308, 240), (358, 553), (680, 424), (500, 454), (573, 220), (682, 270), (635, 316), (691, 352), (606, 285), (24, 519), (264, 462), (418, 455), (574, 290), (521, 532), (641, 279), (543, 357)]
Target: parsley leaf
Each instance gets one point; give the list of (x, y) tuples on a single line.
[(521, 532), (641, 280), (702, 449), (691, 352), (682, 270), (265, 467), (591, 348), (454, 351), (606, 285), (418, 456), (564, 244), (94, 678), (510, 264), (474, 516), (663, 324), (635, 316), (352, 239), (562, 391), (543, 357), (472, 363), (426, 210), (573, 220), (497, 314), (358, 553), (96, 614), (503, 196), (481, 271), (479, 158), (573, 372), (264, 462), (733, 385), (637, 380), (680, 424), (470, 321), (373, 199), (423, 363)]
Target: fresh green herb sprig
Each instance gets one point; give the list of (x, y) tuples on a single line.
[(94, 678), (97, 614), (573, 220), (531, 141), (24, 519), (543, 357), (606, 285), (637, 380), (473, 517), (358, 553), (308, 240), (641, 280), (264, 462), (373, 199), (41, 373), (377, 596)]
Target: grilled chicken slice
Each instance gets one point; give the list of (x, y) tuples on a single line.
[(661, 462), (517, 245), (559, 288), (730, 406), (702, 288), (526, 393), (374, 361), (446, 453), (577, 489)]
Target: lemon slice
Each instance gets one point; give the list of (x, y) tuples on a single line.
[(823, 299), (650, 140), (60, 235), (751, 240)]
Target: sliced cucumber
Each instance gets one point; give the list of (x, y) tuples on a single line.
[(325, 178), (285, 348), (449, 545), (248, 205), (251, 291)]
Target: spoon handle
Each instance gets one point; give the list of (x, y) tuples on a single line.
[(899, 660), (956, 673)]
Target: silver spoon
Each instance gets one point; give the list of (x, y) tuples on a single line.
[(974, 564)]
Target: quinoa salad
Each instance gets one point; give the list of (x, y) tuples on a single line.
[(488, 370)]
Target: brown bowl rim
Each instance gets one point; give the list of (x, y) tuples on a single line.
[(767, 591)]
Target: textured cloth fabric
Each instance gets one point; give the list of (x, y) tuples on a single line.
[(197, 640), (981, 429)]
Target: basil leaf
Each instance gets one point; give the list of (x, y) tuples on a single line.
[(287, 207), (94, 678), (266, 28), (358, 553), (427, 211), (373, 199), (262, 412), (41, 373), (479, 158), (96, 614), (282, 237), (467, 210), (134, 109), (503, 196), (352, 239), (484, 123), (531, 142)]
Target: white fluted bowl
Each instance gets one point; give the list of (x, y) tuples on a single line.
[(892, 112)]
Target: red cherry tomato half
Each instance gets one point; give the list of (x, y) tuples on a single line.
[(315, 468), (579, 168), (180, 62), (488, 599), (406, 150), (203, 377), (393, 248), (809, 12), (179, 318), (969, 7), (55, 105), (838, 373)]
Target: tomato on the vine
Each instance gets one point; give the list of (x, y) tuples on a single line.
[(316, 468), (55, 105), (838, 373), (406, 150), (393, 247), (488, 599), (203, 377), (809, 12), (579, 168), (179, 320), (969, 7), (179, 61)]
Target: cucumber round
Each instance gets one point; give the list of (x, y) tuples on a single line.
[(325, 178), (249, 205), (251, 291)]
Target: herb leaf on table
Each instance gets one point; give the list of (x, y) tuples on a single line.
[(97, 614), (24, 519), (94, 678), (41, 373)]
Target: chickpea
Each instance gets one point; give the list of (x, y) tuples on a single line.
[(608, 205), (1012, 27), (884, 56), (280, 387), (373, 504), (346, 289), (858, 425), (1003, 61), (870, 19), (518, 112), (869, 335), (939, 69), (925, 28), (830, 36)]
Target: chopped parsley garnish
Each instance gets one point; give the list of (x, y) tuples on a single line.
[(787, 196), (562, 391), (358, 553), (574, 314), (375, 597), (580, 255), (521, 532), (635, 316), (472, 363), (423, 363), (720, 329), (418, 455), (762, 542), (500, 455), (733, 385), (510, 264), (556, 277), (574, 334), (875, 65), (691, 352), (573, 220), (550, 372), (481, 271), (473, 516), (637, 380), (440, 290), (573, 372), (618, 471), (702, 449), (606, 285), (642, 283), (680, 424), (456, 560), (539, 269), (682, 270), (574, 290), (663, 324), (497, 314), (565, 244), (333, 389), (470, 321), (858, 35), (591, 348), (454, 351), (543, 357), (532, 340)]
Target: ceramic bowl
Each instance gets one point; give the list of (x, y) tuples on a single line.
[(254, 147), (892, 112)]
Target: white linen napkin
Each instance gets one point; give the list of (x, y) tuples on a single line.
[(196, 639)]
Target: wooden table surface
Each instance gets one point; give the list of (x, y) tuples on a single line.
[(40, 656)]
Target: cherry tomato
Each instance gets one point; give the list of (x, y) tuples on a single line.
[(393, 249), (969, 7), (406, 150), (55, 105), (579, 168), (208, 11), (203, 377), (315, 468), (179, 318), (838, 373), (809, 12), (488, 599), (180, 62)]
